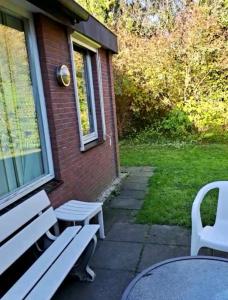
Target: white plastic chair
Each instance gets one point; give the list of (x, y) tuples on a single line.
[(215, 237)]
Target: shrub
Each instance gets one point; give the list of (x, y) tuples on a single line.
[(175, 78), (177, 124)]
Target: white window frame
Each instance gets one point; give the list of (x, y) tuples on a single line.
[(87, 44), (101, 95), (93, 135), (33, 56)]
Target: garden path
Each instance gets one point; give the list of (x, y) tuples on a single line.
[(129, 247)]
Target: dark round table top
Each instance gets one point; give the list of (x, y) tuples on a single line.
[(184, 278)]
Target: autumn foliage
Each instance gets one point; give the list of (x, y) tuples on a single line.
[(171, 76)]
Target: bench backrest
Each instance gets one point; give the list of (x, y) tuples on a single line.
[(22, 226)]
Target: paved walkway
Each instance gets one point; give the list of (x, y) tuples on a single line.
[(128, 248)]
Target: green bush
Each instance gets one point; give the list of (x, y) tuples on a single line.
[(177, 124), (177, 80), (171, 69)]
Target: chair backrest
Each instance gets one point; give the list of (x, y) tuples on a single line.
[(222, 208), (22, 226)]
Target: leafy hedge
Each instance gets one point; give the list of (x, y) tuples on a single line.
[(171, 70), (176, 79)]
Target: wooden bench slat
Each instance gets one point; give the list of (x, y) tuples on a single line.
[(22, 213), (21, 242), (49, 283), (24, 285)]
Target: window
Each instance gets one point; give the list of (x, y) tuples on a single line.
[(85, 93), (24, 159)]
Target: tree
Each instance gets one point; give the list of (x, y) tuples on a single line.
[(172, 62), (102, 9)]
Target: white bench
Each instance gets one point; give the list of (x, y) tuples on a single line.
[(79, 212), (21, 227)]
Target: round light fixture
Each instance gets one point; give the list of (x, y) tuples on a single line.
[(63, 75)]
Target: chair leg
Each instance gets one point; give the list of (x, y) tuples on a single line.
[(86, 222), (195, 247), (101, 223)]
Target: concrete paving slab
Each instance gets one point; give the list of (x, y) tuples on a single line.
[(220, 253), (171, 235), (117, 256), (153, 254), (146, 171), (140, 169), (112, 216), (129, 248), (126, 203), (143, 174), (125, 232), (132, 194), (109, 284), (136, 179), (204, 251), (134, 186)]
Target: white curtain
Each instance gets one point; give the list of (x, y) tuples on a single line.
[(20, 151)]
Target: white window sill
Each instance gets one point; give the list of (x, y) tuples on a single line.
[(91, 145), (87, 139), (23, 191)]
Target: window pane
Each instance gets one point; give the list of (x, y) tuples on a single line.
[(20, 149), (13, 22), (83, 86)]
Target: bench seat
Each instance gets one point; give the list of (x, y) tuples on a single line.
[(46, 274)]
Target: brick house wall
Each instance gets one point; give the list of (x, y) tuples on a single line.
[(84, 174)]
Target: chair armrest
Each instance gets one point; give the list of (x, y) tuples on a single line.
[(196, 217)]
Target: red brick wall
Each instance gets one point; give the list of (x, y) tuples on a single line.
[(86, 174)]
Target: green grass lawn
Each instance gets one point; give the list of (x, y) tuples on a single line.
[(179, 174)]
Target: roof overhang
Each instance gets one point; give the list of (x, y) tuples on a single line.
[(99, 33), (76, 9), (72, 15)]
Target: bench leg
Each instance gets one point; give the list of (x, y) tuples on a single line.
[(81, 269), (101, 223)]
